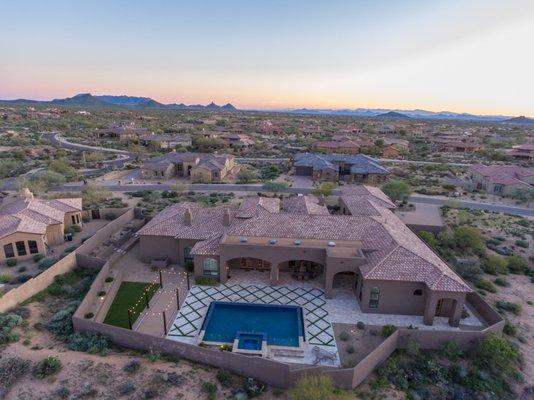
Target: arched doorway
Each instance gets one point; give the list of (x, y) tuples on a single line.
[(300, 270), (248, 269), (445, 307)]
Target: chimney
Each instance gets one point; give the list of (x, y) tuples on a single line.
[(226, 217), (26, 194), (188, 217)]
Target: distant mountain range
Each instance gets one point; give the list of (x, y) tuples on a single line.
[(89, 100)]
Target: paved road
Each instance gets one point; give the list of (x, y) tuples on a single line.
[(254, 188), (122, 155)]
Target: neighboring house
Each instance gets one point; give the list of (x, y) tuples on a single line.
[(401, 144), (199, 167), (237, 141), (266, 127), (121, 132), (391, 152), (343, 146), (461, 147), (522, 152), (165, 141), (28, 226), (340, 167), (389, 268), (500, 179)]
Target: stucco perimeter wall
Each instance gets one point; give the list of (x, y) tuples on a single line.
[(66, 264)]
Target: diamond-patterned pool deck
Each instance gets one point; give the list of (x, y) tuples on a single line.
[(317, 326)]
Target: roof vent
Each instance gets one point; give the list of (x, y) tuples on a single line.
[(331, 244), (272, 241), (243, 239), (296, 242)]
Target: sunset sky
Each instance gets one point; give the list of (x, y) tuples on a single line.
[(467, 56)]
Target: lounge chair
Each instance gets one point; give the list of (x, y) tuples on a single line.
[(321, 354)]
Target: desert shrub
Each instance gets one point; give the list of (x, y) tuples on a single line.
[(496, 354), (387, 330), (451, 350), (47, 367), (349, 349), (313, 387), (89, 342), (486, 285), (11, 369), (517, 264), (153, 356), (210, 388), (253, 387), (206, 281), (429, 238), (21, 278), (21, 269), (468, 238), (224, 377), (46, 263), (344, 336), (126, 388), (11, 262), (132, 366), (69, 231), (7, 323), (61, 322), (108, 279), (495, 265), (470, 272), (22, 312), (5, 277), (109, 217), (62, 392), (70, 249), (501, 282), (76, 228), (38, 257), (88, 315), (509, 329), (360, 325), (522, 243), (514, 308)]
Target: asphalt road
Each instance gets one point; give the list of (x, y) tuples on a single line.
[(254, 188)]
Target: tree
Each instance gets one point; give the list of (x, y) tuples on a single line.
[(325, 189), (496, 354), (468, 238), (429, 238), (495, 265), (275, 187), (247, 175), (397, 190)]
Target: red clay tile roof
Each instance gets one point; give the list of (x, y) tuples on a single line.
[(304, 205), (503, 174)]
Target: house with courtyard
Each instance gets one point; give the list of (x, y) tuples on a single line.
[(367, 250), (165, 141), (122, 132), (522, 151), (503, 180), (29, 226), (358, 168), (198, 167)]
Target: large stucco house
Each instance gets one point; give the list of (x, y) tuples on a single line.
[(390, 270), (28, 225), (340, 167), (199, 167), (503, 180)]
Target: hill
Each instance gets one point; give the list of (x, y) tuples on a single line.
[(392, 115), (82, 99), (522, 120)]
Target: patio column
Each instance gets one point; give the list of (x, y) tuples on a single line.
[(456, 315), (223, 272), (430, 309), (274, 274)]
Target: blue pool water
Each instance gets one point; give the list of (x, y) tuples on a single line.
[(282, 325), (250, 341)]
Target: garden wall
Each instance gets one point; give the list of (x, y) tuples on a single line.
[(64, 265)]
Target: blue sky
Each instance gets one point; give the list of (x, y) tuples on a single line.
[(471, 55)]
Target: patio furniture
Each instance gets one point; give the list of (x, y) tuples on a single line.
[(321, 354)]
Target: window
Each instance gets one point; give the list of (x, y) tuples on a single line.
[(498, 188), (418, 292), (73, 218), (21, 248), (211, 267), (32, 245), (8, 250), (77, 218), (375, 296)]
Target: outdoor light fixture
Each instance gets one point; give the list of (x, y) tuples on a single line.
[(296, 242), (332, 244), (272, 241), (243, 239)]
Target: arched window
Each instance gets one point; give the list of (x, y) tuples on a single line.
[(187, 254), (211, 267), (418, 292), (374, 297)]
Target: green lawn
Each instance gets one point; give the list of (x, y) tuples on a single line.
[(129, 296)]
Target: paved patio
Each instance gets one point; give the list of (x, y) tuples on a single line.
[(317, 326)]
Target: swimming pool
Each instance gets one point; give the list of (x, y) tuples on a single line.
[(281, 324)]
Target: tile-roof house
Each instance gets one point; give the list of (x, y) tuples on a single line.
[(28, 226), (500, 179), (340, 167), (392, 270), (200, 167), (522, 151)]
